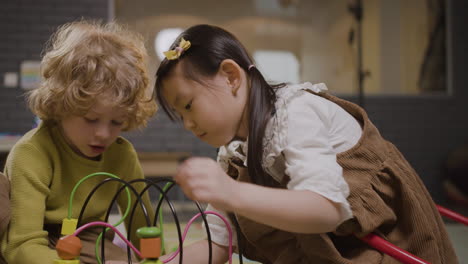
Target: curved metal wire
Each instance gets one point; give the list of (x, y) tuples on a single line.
[(93, 191)]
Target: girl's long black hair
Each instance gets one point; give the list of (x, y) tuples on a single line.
[(210, 45)]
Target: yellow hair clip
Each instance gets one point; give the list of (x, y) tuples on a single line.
[(175, 53)]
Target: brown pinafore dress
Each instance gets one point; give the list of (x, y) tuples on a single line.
[(387, 197)]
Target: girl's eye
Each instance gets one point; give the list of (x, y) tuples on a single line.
[(188, 106)]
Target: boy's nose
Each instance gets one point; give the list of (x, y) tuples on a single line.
[(102, 132)]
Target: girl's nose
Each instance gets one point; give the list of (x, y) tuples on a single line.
[(189, 124)]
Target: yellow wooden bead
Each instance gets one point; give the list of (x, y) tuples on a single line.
[(69, 226), (63, 261)]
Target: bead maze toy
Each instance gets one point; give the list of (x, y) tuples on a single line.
[(152, 236)]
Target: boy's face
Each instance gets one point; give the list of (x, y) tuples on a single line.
[(90, 135)]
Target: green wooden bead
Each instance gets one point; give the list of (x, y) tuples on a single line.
[(148, 232)]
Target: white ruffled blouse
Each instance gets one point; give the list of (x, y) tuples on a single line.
[(301, 141)]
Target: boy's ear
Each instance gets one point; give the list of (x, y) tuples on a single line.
[(233, 73)]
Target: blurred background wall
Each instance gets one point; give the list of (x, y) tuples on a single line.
[(416, 91)]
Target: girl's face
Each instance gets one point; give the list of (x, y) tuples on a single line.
[(213, 111), (91, 134)]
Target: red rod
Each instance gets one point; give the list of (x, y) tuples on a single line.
[(452, 215), (400, 254), (392, 250)]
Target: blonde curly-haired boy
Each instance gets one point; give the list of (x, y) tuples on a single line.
[(94, 86)]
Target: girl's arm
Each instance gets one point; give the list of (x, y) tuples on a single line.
[(294, 211), (203, 180), (198, 253)]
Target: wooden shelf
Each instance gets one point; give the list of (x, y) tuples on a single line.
[(160, 164), (7, 142)]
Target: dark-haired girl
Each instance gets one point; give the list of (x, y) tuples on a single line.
[(301, 174)]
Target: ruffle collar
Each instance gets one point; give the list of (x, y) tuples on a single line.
[(276, 131)]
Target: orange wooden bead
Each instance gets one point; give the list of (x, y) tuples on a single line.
[(150, 247), (68, 247)]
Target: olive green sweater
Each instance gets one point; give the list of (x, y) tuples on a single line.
[(43, 170)]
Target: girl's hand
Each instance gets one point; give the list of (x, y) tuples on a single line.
[(203, 180)]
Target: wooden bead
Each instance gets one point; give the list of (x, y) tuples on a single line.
[(150, 247), (148, 232), (68, 247)]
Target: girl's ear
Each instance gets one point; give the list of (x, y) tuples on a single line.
[(233, 74)]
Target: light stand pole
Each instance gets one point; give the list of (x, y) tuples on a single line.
[(356, 9)]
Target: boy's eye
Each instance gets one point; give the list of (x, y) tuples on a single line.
[(117, 123), (90, 120)]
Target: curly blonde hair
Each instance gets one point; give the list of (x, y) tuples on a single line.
[(88, 59)]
